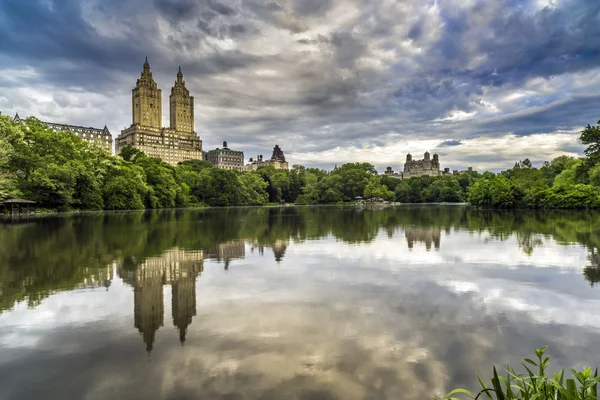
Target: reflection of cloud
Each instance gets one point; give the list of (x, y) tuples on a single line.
[(371, 320)]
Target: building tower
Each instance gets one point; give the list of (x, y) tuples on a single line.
[(147, 100), (183, 303), (148, 311), (181, 106)]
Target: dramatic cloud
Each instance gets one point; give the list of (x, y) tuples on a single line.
[(329, 81)]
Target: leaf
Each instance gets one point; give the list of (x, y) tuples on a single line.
[(461, 391), (497, 387), (484, 388), (530, 361)]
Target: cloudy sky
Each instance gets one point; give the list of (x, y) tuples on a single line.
[(483, 83)]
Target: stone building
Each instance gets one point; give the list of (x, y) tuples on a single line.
[(391, 173), (424, 167), (276, 161), (177, 143), (177, 267), (99, 137), (225, 158)]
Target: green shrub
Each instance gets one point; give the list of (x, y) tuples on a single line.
[(532, 386)]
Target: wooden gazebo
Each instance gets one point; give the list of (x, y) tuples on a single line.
[(19, 206)]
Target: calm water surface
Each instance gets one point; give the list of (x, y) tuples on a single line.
[(292, 303)]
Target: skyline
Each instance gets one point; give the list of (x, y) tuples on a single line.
[(330, 81)]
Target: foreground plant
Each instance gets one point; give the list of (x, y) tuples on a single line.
[(540, 386)]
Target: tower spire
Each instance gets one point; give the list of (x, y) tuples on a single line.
[(146, 65), (180, 75)]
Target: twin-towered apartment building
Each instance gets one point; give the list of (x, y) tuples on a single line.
[(176, 143)]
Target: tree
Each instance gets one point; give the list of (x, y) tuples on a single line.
[(252, 189), (591, 136), (375, 189), (594, 175), (355, 177), (125, 187), (492, 191), (310, 191), (130, 153), (402, 192)]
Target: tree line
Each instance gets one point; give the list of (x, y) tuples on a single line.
[(62, 172), (565, 182)]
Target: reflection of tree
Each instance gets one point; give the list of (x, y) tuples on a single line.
[(60, 253), (592, 272), (528, 241)]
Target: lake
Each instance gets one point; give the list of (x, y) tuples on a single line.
[(402, 302)]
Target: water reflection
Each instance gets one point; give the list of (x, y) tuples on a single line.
[(426, 235), (61, 253), (176, 267), (325, 302)]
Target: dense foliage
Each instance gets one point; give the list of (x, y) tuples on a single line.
[(536, 383)]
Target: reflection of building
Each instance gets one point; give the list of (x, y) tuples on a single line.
[(97, 277), (279, 248), (227, 251), (427, 235), (177, 267), (100, 137), (277, 161), (225, 158), (177, 143), (425, 167)]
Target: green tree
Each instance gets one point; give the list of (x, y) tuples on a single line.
[(590, 136), (493, 191), (252, 189), (375, 189), (125, 187)]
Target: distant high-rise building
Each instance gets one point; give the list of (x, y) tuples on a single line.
[(100, 137), (177, 143)]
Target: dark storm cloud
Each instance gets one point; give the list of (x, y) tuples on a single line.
[(311, 7), (549, 118), (296, 67), (450, 143)]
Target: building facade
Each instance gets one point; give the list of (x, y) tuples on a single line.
[(96, 136), (177, 143), (225, 158), (391, 173), (424, 167), (277, 161)]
